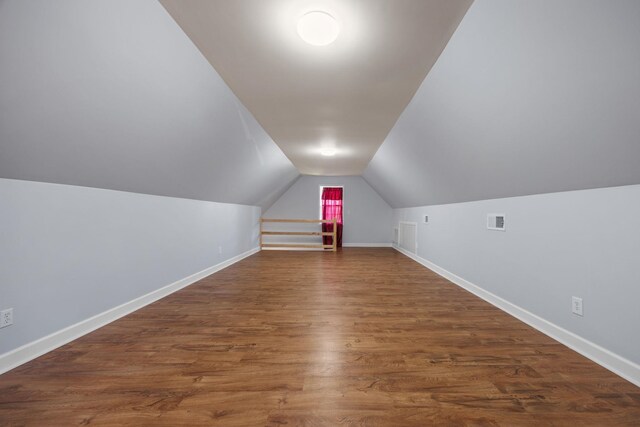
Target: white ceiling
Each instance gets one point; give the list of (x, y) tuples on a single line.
[(112, 94), (522, 101), (347, 95)]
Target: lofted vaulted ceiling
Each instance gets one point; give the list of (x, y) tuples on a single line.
[(112, 94), (529, 97), (347, 95)]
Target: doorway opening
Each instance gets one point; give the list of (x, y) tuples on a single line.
[(331, 206)]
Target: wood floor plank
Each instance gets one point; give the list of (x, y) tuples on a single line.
[(360, 337)]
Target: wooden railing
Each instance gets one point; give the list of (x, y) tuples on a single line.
[(333, 234)]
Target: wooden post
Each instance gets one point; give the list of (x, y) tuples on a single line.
[(335, 234)]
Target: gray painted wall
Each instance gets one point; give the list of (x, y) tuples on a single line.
[(579, 243), (528, 97), (69, 253), (367, 218), (113, 94)]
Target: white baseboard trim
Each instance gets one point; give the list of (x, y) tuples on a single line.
[(617, 364), (296, 249), (366, 245), (30, 351), (344, 245)]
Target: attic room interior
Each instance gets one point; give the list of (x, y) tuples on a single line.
[(319, 212)]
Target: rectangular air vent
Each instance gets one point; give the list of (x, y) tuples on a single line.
[(496, 222), (408, 236)]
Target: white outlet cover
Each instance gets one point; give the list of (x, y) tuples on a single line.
[(6, 317), (576, 306)]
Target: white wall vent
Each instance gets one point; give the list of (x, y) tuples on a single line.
[(496, 222), (408, 236)]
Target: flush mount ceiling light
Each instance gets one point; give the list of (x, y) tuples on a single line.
[(318, 28), (329, 152)]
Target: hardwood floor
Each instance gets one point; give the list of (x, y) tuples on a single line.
[(361, 337)]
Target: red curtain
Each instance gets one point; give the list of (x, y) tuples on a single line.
[(332, 208)]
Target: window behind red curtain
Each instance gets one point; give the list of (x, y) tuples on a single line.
[(331, 200)]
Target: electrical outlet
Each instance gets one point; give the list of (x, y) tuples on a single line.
[(576, 305), (6, 317)]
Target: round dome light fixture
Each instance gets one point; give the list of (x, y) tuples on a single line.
[(318, 28), (329, 152)]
